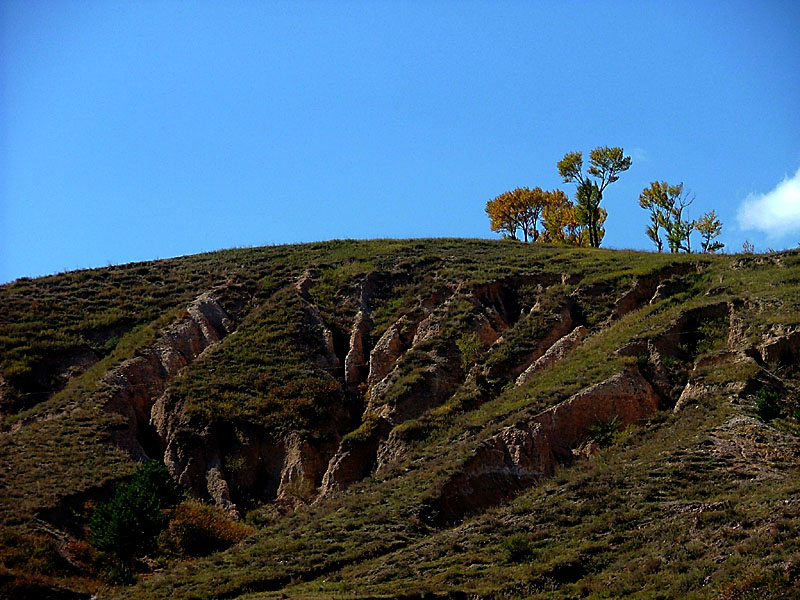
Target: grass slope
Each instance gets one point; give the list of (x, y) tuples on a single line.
[(698, 503)]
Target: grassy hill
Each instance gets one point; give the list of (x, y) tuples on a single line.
[(410, 418)]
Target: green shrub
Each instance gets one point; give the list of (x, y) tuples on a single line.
[(605, 433), (767, 404), (470, 346), (128, 524), (517, 547)]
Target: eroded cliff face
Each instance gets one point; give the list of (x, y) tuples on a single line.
[(239, 464), (528, 451), (391, 377), (414, 368), (134, 386)]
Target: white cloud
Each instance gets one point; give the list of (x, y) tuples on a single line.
[(776, 213)]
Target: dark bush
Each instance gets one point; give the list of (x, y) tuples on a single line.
[(128, 524), (605, 433), (767, 404), (517, 547)]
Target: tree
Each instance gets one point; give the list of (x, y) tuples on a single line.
[(532, 204), (709, 226), (606, 165), (503, 215), (655, 200), (587, 211), (128, 524), (560, 221), (520, 208), (666, 204)]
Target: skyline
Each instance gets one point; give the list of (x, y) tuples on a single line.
[(142, 131)]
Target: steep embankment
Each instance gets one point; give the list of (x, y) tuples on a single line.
[(410, 418)]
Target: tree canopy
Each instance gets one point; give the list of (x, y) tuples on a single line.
[(666, 204), (605, 166), (541, 215), (128, 524), (709, 227)]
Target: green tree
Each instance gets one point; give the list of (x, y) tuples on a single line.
[(655, 200), (127, 525), (709, 226), (666, 204), (605, 166)]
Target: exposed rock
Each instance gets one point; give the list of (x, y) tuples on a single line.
[(682, 336), (487, 329), (429, 386), (427, 329), (753, 261), (303, 468), (562, 324), (305, 283), (781, 347), (644, 288), (756, 451), (218, 488), (558, 351), (669, 287), (389, 348), (234, 466), (323, 351), (356, 362), (498, 301), (354, 460), (134, 386), (523, 453), (678, 344), (390, 450), (696, 389)]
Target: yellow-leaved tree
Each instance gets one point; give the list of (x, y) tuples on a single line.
[(520, 208)]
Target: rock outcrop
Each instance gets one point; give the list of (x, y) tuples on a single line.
[(781, 347), (355, 459), (237, 466), (563, 322), (391, 345), (653, 286), (558, 351), (356, 362), (134, 386), (527, 451)]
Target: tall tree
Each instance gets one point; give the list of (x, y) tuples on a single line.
[(605, 166), (709, 226), (666, 204), (587, 210), (654, 199)]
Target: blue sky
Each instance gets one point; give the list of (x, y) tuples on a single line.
[(140, 130)]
